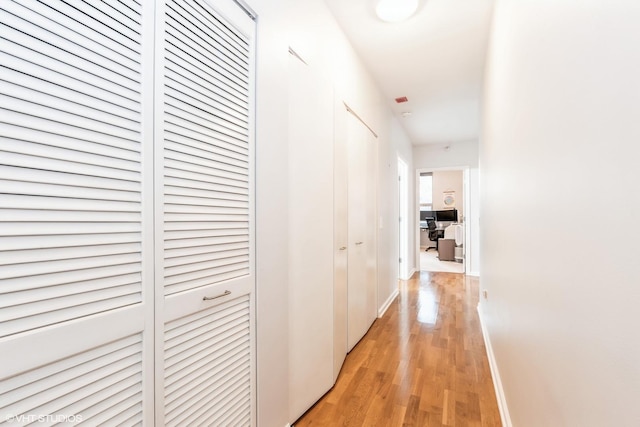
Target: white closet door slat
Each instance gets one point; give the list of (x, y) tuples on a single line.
[(56, 292), (204, 91), (221, 154), (41, 27), (189, 174), (51, 64), (198, 100), (203, 49), (68, 27), (56, 167), (103, 25), (177, 256), (51, 388), (204, 232), (183, 124), (26, 70), (93, 111), (29, 242), (14, 173), (193, 63), (223, 47), (205, 193), (221, 381)]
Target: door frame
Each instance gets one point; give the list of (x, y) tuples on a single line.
[(468, 211)]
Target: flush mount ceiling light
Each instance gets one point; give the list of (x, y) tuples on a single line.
[(395, 10)]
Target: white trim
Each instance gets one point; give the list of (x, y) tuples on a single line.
[(382, 310), (473, 274), (495, 375), (410, 275)]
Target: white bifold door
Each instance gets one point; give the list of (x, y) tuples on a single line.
[(204, 242), (362, 253), (126, 203), (310, 218)]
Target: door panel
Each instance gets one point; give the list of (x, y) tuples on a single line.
[(75, 251), (341, 240), (310, 237), (362, 230), (208, 367), (205, 300)]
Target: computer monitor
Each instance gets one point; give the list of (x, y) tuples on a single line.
[(450, 215), (427, 215)]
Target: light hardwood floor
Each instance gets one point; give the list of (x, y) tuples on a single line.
[(422, 364)]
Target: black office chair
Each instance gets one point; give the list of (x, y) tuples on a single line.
[(433, 234)]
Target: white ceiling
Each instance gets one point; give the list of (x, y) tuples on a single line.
[(435, 59)]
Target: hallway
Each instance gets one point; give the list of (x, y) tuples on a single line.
[(423, 364)]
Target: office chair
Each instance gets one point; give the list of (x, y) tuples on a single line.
[(433, 234)]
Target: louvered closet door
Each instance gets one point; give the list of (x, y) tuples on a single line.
[(73, 164), (206, 345)]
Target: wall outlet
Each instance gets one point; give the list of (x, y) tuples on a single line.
[(485, 294)]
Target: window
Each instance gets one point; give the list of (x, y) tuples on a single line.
[(426, 191)]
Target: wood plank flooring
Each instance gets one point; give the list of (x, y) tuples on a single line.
[(423, 364)]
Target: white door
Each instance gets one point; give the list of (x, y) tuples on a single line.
[(205, 239), (403, 223), (310, 221), (75, 251), (341, 239), (78, 170), (362, 267)]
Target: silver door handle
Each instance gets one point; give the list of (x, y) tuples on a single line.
[(224, 294)]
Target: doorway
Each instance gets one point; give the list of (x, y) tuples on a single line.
[(442, 212)]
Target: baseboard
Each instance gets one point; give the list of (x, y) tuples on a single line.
[(495, 374), (388, 302), (411, 273), (473, 274)]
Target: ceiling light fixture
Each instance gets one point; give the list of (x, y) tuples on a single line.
[(395, 10)]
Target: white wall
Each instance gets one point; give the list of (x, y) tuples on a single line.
[(448, 181), (439, 156), (310, 29), (561, 129)]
